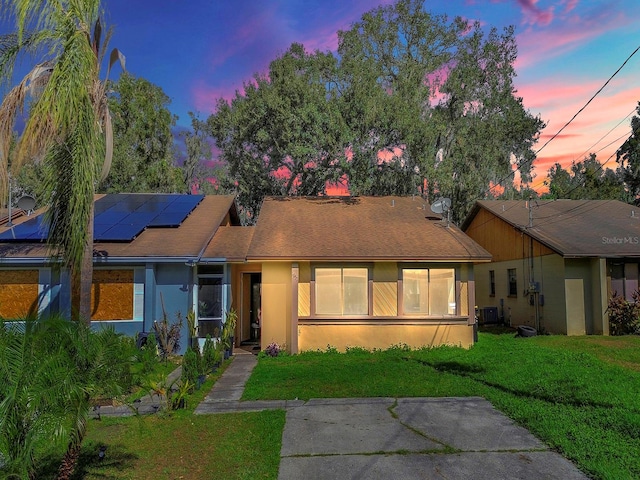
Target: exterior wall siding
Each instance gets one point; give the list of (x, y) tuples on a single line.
[(276, 304), (517, 310), (381, 329), (370, 335), (501, 239)]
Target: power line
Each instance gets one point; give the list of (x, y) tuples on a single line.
[(626, 134), (589, 101), (565, 125)]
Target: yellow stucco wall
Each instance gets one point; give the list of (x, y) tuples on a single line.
[(381, 330), (315, 336), (276, 304)]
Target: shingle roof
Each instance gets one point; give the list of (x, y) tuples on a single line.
[(357, 228), (573, 228), (188, 240), (229, 243)]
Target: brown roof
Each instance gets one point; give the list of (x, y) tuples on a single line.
[(573, 228), (188, 240), (229, 243), (357, 228)]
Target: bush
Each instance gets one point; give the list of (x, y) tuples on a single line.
[(209, 354), (190, 367), (168, 333), (624, 316)]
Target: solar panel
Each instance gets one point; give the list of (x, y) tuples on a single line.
[(33, 229), (121, 233), (119, 217)]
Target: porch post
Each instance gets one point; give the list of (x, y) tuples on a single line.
[(295, 277), (471, 286)]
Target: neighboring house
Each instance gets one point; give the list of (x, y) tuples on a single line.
[(147, 256), (555, 263), (370, 272), (314, 272)]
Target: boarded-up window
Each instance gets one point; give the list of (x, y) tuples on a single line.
[(18, 294), (112, 295)]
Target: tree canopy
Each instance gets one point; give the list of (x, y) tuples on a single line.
[(143, 159), (586, 180), (413, 103), (628, 157)]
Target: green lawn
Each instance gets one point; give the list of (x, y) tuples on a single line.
[(578, 394)]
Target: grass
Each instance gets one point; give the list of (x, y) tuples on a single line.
[(579, 395), (180, 445)]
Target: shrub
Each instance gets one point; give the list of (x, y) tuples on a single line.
[(209, 354), (148, 354), (168, 334), (190, 367), (624, 316)]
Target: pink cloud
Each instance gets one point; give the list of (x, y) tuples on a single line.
[(534, 14), (601, 128), (205, 97), (539, 45)]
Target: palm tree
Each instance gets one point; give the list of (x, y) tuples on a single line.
[(49, 372), (68, 127)]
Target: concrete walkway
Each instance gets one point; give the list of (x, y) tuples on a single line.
[(380, 438), (227, 391)]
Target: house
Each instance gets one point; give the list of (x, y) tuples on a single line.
[(358, 271), (555, 262), (147, 252), (314, 272)]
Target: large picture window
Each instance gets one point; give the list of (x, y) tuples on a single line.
[(342, 291), (428, 291)]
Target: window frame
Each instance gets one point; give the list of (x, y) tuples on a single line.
[(429, 268), (209, 324), (492, 283), (314, 297), (512, 282)]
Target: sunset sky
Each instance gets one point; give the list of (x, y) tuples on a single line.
[(200, 50)]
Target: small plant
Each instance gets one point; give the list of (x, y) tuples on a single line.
[(624, 316), (167, 334), (209, 354), (272, 350), (193, 328), (178, 398), (190, 367), (148, 354)]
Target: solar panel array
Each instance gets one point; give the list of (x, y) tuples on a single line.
[(119, 217)]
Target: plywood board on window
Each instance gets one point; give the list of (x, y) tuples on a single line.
[(385, 299), (18, 293), (112, 295)]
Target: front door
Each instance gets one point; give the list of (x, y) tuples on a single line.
[(251, 307)]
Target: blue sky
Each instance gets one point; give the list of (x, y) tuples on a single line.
[(198, 51)]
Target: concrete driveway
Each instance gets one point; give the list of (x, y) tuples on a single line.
[(407, 438), (389, 438)]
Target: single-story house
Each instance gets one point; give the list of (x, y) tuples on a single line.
[(361, 271), (556, 263), (147, 257), (313, 272)]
